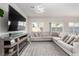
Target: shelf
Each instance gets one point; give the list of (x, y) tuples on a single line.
[(25, 38), (22, 49), (21, 46), (10, 46), (10, 54)]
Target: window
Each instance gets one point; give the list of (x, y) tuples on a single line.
[(73, 27), (56, 27), (37, 26)]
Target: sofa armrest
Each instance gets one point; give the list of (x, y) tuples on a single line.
[(75, 48), (56, 38)]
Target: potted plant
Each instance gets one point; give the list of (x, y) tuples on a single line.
[(1, 13)]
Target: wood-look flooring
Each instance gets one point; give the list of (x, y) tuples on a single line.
[(43, 49)]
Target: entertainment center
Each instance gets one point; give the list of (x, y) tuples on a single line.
[(13, 46)]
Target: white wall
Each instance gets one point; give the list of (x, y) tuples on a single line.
[(4, 20), (65, 20)]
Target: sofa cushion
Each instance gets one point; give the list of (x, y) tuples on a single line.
[(75, 40), (70, 39), (61, 35), (71, 43), (66, 38)]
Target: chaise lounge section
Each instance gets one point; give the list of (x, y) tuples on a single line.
[(67, 43)]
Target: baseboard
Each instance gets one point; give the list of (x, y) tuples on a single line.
[(41, 41)]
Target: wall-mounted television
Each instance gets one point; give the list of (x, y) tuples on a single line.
[(16, 21)]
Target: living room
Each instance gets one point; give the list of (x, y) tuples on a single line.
[(39, 29)]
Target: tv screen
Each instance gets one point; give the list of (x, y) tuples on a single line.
[(16, 21)]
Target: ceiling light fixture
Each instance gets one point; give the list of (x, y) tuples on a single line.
[(38, 9)]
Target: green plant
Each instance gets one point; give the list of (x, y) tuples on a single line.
[(1, 13)]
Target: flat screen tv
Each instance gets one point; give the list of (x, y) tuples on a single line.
[(16, 21)]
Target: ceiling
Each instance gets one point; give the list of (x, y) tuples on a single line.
[(51, 9)]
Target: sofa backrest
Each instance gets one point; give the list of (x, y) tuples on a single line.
[(39, 34), (64, 37), (56, 34), (71, 39), (76, 39)]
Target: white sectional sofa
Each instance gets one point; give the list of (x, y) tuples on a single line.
[(39, 36), (66, 42), (42, 36)]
